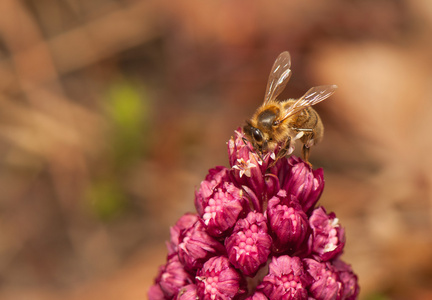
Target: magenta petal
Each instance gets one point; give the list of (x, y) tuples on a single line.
[(305, 184), (272, 185)]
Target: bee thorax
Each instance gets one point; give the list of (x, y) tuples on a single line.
[(267, 118)]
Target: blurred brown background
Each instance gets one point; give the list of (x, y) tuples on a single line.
[(112, 111)]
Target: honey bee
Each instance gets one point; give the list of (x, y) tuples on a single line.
[(279, 122)]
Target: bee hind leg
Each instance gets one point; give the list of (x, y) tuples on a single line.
[(305, 154), (307, 144)]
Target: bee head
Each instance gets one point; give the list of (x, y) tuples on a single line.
[(256, 136)]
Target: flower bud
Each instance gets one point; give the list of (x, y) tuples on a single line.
[(288, 224), (172, 277), (188, 292), (249, 245), (248, 168), (257, 296), (286, 279), (219, 280), (239, 148), (186, 221), (214, 179), (300, 181), (328, 237), (348, 279), (220, 203), (155, 293), (196, 246), (326, 284)]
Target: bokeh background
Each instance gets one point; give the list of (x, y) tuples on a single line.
[(112, 111)]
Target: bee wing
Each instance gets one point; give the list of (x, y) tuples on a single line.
[(312, 97), (279, 76)]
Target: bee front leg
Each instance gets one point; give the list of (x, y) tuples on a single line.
[(283, 151)]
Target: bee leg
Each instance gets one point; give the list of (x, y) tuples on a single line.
[(305, 154), (245, 142), (307, 144), (282, 151)]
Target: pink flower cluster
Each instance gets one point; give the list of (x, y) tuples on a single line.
[(257, 234)]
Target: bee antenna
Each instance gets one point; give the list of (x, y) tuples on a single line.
[(252, 150), (246, 144)]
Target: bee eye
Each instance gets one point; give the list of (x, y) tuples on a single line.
[(257, 135)]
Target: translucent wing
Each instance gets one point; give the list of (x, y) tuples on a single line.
[(312, 97), (279, 76)]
